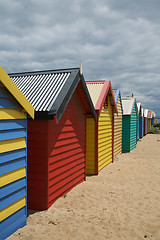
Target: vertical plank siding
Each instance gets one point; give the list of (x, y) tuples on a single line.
[(13, 163), (145, 126), (118, 129), (90, 146), (105, 137)]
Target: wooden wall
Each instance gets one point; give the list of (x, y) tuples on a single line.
[(56, 155), (105, 136), (118, 129), (13, 163)]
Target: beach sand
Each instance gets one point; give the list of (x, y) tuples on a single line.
[(122, 202)]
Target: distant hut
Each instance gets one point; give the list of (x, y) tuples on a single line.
[(14, 108), (145, 121), (118, 123), (141, 122), (129, 124), (100, 139), (57, 136), (149, 117)]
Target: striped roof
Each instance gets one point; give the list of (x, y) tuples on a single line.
[(98, 91), (128, 104), (50, 91), (95, 90)]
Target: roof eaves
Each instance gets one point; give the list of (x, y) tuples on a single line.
[(102, 97), (14, 90), (94, 114), (65, 95)]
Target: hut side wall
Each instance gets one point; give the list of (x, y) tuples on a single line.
[(148, 125), (145, 126), (141, 127), (137, 128), (90, 146), (126, 133), (66, 150), (37, 180), (118, 129), (105, 136), (13, 162), (133, 129)]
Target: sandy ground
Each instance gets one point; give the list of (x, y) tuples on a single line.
[(122, 202)]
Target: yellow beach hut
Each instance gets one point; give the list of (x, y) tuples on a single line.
[(99, 134), (118, 123), (13, 156)]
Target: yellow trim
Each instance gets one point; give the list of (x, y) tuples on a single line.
[(14, 90), (13, 144), (6, 113), (14, 207), (12, 176)]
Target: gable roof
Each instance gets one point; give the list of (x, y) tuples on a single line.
[(128, 104), (98, 91), (150, 114), (117, 93), (13, 89), (139, 109), (145, 112), (50, 91)]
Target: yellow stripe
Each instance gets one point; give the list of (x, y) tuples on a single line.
[(14, 207), (12, 176), (13, 144), (6, 113), (14, 90)]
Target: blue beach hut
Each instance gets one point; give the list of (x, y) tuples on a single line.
[(14, 108)]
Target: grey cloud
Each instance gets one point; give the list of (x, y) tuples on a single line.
[(116, 40)]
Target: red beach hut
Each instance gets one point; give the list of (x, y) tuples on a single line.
[(57, 136)]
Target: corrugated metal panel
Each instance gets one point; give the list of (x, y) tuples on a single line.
[(118, 129), (41, 89), (95, 90), (105, 137), (127, 103), (90, 146), (13, 162)]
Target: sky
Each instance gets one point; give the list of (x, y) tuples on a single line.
[(116, 40)]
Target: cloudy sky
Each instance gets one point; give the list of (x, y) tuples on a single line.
[(117, 40)]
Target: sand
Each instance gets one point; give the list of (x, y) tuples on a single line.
[(122, 202)]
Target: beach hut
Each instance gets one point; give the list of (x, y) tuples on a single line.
[(57, 136), (153, 119), (149, 117), (138, 113), (129, 124), (118, 123), (145, 121), (141, 122), (100, 139), (13, 156)]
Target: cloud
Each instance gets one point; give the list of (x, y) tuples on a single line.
[(116, 40)]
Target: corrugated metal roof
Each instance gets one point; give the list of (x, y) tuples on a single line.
[(95, 90), (41, 88), (128, 103)]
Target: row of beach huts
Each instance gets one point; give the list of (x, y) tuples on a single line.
[(56, 128)]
